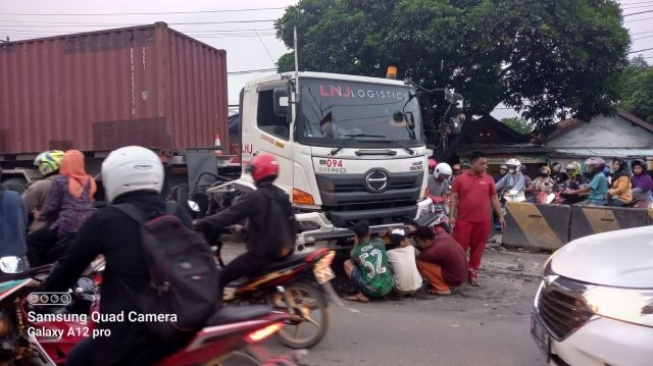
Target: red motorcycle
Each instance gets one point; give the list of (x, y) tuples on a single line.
[(32, 333)]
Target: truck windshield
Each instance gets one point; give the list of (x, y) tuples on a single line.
[(334, 110)]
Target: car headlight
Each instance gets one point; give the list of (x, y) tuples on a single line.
[(630, 305)]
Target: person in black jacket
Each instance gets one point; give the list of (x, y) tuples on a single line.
[(130, 175), (271, 229)]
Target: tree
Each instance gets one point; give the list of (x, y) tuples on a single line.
[(519, 125), (637, 89), (545, 58)]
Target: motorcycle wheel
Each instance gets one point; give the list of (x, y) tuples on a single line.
[(309, 301)]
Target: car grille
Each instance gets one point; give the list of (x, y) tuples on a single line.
[(562, 308)]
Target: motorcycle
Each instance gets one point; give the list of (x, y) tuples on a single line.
[(306, 281), (440, 208), (36, 329), (547, 198)]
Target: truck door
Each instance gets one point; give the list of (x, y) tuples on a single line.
[(266, 132)]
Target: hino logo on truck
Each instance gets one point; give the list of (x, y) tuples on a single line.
[(376, 181)]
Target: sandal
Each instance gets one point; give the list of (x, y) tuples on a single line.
[(357, 298), (435, 292)]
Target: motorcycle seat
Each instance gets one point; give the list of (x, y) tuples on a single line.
[(235, 314), (289, 261)]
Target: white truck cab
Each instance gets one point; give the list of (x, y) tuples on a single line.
[(595, 303), (349, 147)]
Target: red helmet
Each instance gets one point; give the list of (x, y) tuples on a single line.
[(263, 166), (432, 163)]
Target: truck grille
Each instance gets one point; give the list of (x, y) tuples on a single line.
[(348, 192), (562, 308)]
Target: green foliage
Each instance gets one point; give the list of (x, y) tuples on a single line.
[(545, 58), (637, 89), (518, 124)]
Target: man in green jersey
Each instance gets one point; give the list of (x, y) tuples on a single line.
[(368, 266)]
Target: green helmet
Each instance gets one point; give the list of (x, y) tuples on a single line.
[(49, 161)]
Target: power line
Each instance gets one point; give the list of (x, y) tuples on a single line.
[(641, 2), (640, 19), (95, 25), (646, 49), (157, 13), (243, 72), (639, 12)]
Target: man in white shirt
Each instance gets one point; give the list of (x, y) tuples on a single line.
[(401, 255)]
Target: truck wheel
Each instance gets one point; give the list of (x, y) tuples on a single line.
[(15, 184)]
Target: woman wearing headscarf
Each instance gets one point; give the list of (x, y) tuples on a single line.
[(642, 182), (621, 193), (68, 206)]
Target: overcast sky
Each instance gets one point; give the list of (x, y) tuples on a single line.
[(247, 34)]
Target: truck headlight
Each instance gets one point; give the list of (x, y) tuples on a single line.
[(630, 305)]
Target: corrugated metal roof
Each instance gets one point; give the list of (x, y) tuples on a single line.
[(605, 152)]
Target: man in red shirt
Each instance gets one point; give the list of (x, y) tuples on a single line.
[(441, 260), (472, 194)]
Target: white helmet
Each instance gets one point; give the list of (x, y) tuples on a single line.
[(514, 162), (131, 168), (442, 168)]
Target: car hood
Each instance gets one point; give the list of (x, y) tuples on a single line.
[(621, 258)]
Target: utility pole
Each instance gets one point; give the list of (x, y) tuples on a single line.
[(3, 41)]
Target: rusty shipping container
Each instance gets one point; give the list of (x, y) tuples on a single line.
[(148, 85)]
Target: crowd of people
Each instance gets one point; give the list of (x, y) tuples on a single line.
[(622, 184), (444, 261), (414, 254), (39, 224)]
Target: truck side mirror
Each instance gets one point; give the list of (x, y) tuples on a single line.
[(281, 102)]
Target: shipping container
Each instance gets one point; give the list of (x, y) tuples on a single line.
[(147, 85)]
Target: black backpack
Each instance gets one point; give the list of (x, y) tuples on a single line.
[(281, 222), (184, 277)]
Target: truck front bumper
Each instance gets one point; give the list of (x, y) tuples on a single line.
[(317, 227)]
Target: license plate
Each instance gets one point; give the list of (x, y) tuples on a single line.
[(323, 274), (540, 336)]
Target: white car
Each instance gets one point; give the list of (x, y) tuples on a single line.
[(595, 303)]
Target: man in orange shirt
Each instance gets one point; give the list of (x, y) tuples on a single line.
[(472, 193)]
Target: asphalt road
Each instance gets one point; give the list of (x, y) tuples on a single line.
[(487, 325)]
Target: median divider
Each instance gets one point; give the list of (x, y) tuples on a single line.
[(588, 220), (536, 226)]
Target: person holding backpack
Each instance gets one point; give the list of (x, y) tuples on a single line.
[(136, 252), (272, 228)]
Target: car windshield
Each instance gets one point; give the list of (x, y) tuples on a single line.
[(333, 110)]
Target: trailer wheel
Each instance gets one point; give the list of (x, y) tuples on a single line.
[(15, 184)]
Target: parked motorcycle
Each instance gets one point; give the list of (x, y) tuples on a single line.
[(231, 337)]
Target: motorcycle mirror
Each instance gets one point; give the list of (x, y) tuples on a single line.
[(12, 264), (193, 206), (86, 284), (550, 198), (398, 117)]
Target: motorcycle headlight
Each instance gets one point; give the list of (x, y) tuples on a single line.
[(630, 305)]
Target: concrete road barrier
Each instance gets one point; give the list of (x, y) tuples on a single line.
[(536, 225), (588, 220)]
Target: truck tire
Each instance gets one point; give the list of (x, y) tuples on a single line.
[(15, 184)]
